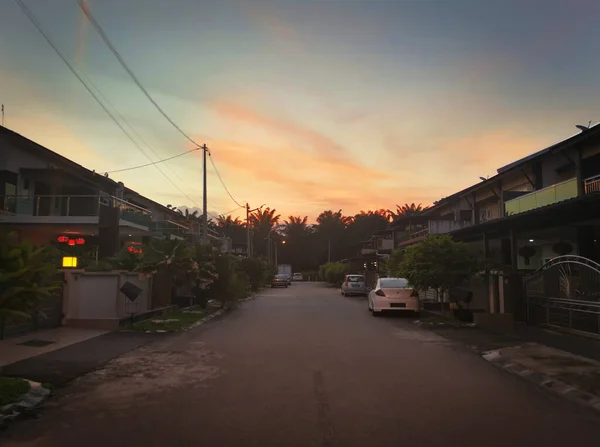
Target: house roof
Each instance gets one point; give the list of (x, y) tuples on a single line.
[(32, 147), (593, 131), (560, 213), (37, 149)]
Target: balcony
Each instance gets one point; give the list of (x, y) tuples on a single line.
[(543, 197), (385, 244), (71, 210), (170, 229), (592, 184)]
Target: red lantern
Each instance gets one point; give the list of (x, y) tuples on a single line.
[(80, 241), (62, 239), (71, 242), (130, 249)]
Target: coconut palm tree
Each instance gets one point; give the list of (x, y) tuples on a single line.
[(409, 210)]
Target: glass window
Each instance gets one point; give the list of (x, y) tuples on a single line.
[(355, 278), (394, 283)]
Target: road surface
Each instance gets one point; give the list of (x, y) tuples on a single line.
[(302, 367)]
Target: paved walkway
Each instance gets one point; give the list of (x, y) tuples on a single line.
[(60, 366), (302, 367), (40, 342)]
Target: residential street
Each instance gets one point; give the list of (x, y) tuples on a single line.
[(304, 366)]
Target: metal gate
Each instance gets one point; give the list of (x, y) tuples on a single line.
[(565, 293)]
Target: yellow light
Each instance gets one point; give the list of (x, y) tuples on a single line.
[(69, 261), (283, 242)]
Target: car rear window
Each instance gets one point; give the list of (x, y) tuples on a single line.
[(356, 279), (281, 276), (394, 283)]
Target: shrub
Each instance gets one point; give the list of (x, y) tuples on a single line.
[(257, 271), (333, 272), (27, 275)]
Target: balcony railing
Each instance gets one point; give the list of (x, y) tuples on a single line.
[(83, 209), (592, 184), (543, 197)]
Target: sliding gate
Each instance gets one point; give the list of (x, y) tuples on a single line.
[(565, 293)]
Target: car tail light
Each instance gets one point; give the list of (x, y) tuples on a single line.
[(379, 292)]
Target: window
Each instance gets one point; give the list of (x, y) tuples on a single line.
[(394, 283), (356, 278)]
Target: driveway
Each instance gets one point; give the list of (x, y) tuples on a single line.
[(302, 367)]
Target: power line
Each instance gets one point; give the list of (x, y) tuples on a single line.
[(154, 162), (223, 183), (114, 51), (34, 21)]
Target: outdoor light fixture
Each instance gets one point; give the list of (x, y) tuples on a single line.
[(530, 240), (69, 261)]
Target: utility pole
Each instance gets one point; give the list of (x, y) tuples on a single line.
[(204, 199), (247, 230), (329, 250), (249, 241)]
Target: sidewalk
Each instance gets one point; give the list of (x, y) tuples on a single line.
[(564, 364), (40, 342), (59, 366)]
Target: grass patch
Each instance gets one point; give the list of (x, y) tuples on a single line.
[(11, 389), (171, 322)]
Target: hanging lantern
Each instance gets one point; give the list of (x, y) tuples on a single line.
[(80, 241), (71, 242), (62, 239)]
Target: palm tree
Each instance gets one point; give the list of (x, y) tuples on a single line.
[(261, 222), (331, 226), (193, 215), (409, 210), (232, 228)]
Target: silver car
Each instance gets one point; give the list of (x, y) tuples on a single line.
[(354, 285)]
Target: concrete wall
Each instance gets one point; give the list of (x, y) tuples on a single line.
[(93, 299)]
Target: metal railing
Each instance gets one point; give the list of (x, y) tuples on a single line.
[(592, 184), (71, 206), (50, 205)]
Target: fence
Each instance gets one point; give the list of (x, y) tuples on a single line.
[(94, 299), (565, 293)]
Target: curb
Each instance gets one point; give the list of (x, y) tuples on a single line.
[(29, 402), (204, 320), (545, 382)]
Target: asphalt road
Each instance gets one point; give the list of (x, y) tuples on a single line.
[(305, 366)]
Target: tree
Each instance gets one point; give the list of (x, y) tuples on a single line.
[(299, 248), (234, 229), (27, 276), (409, 210), (438, 263), (189, 215), (261, 222), (330, 229)]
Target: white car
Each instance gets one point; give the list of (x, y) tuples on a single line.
[(393, 294), (354, 285), (297, 277)]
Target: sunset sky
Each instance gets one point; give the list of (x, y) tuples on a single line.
[(306, 105)]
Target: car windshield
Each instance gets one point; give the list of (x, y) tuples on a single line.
[(394, 283), (355, 279)]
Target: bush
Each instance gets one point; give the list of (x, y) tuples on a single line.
[(232, 284), (333, 273), (27, 275), (257, 271)]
